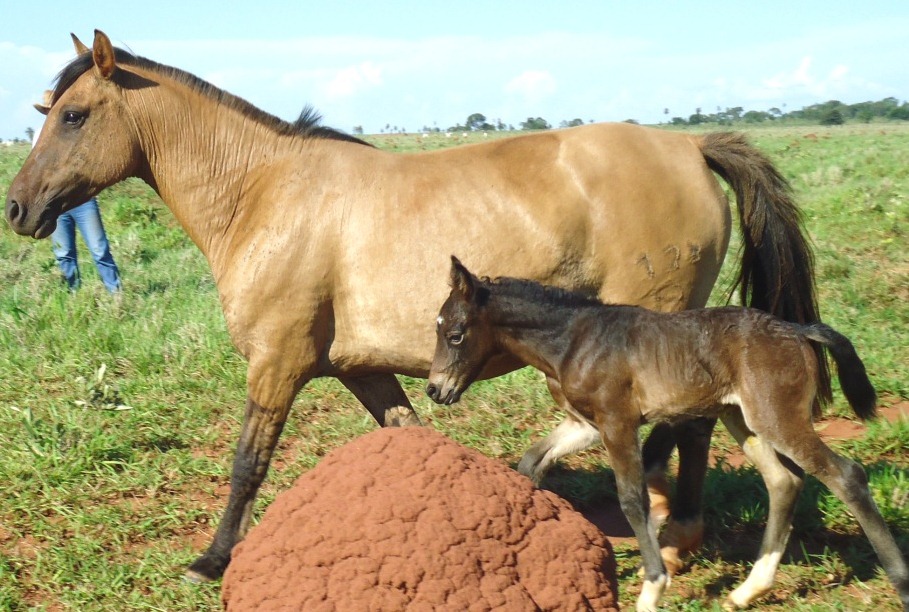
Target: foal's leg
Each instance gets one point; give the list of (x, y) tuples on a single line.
[(572, 435), (685, 530), (621, 439), (784, 481), (848, 481), (384, 398), (656, 452)]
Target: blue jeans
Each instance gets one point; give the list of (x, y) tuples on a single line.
[(88, 219)]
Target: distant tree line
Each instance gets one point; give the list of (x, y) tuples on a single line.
[(477, 122), (832, 112)]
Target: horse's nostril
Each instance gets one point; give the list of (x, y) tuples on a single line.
[(431, 390), (13, 210)]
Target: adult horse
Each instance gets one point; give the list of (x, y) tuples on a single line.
[(313, 236)]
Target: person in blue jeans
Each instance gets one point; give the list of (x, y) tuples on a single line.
[(87, 218)]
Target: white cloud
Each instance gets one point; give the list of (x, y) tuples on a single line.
[(532, 84), (353, 80), (807, 83), (839, 73), (800, 77)]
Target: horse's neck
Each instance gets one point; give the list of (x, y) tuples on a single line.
[(199, 160)]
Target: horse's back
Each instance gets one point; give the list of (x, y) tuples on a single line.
[(627, 213)]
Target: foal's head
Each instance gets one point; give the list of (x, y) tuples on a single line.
[(464, 337)]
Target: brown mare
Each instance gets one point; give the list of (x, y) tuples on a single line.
[(324, 249), (620, 366)]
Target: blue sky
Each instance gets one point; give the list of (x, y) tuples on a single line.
[(411, 64)]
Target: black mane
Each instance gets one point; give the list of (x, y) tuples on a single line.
[(307, 124), (546, 295)]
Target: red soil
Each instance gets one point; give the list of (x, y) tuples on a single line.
[(407, 518)]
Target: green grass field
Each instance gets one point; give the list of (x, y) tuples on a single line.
[(119, 416)]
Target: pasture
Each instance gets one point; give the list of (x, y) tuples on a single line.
[(120, 414)]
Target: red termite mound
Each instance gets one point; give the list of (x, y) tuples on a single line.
[(407, 519)]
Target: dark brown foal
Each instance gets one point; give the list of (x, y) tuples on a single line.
[(617, 367)]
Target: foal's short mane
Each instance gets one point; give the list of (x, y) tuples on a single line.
[(306, 125), (507, 287)]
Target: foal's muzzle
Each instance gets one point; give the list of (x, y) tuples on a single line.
[(440, 395)]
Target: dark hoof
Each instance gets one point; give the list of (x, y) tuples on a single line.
[(206, 569), (399, 416)]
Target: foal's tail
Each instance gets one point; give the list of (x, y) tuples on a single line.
[(777, 273), (849, 367)]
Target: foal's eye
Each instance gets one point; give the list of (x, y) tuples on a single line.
[(456, 338), (72, 117)]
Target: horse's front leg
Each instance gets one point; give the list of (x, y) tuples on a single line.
[(383, 396), (262, 426)]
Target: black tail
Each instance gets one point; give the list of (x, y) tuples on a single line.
[(849, 367), (777, 273)]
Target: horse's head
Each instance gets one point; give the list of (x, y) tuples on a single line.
[(464, 337), (88, 142)]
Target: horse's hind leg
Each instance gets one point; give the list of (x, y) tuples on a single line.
[(784, 482), (572, 435), (384, 398), (685, 529), (848, 481)]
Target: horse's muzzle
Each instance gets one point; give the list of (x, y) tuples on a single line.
[(25, 224)]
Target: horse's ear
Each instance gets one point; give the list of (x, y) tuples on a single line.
[(47, 100), (79, 45), (103, 55), (462, 280)]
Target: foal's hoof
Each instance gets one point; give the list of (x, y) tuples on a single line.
[(731, 604), (531, 466), (651, 593), (687, 536), (671, 561), (679, 539)]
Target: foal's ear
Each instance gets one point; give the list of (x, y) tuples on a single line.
[(103, 55), (462, 280), (79, 45)]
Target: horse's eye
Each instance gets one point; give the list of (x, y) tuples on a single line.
[(456, 338), (72, 118)]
